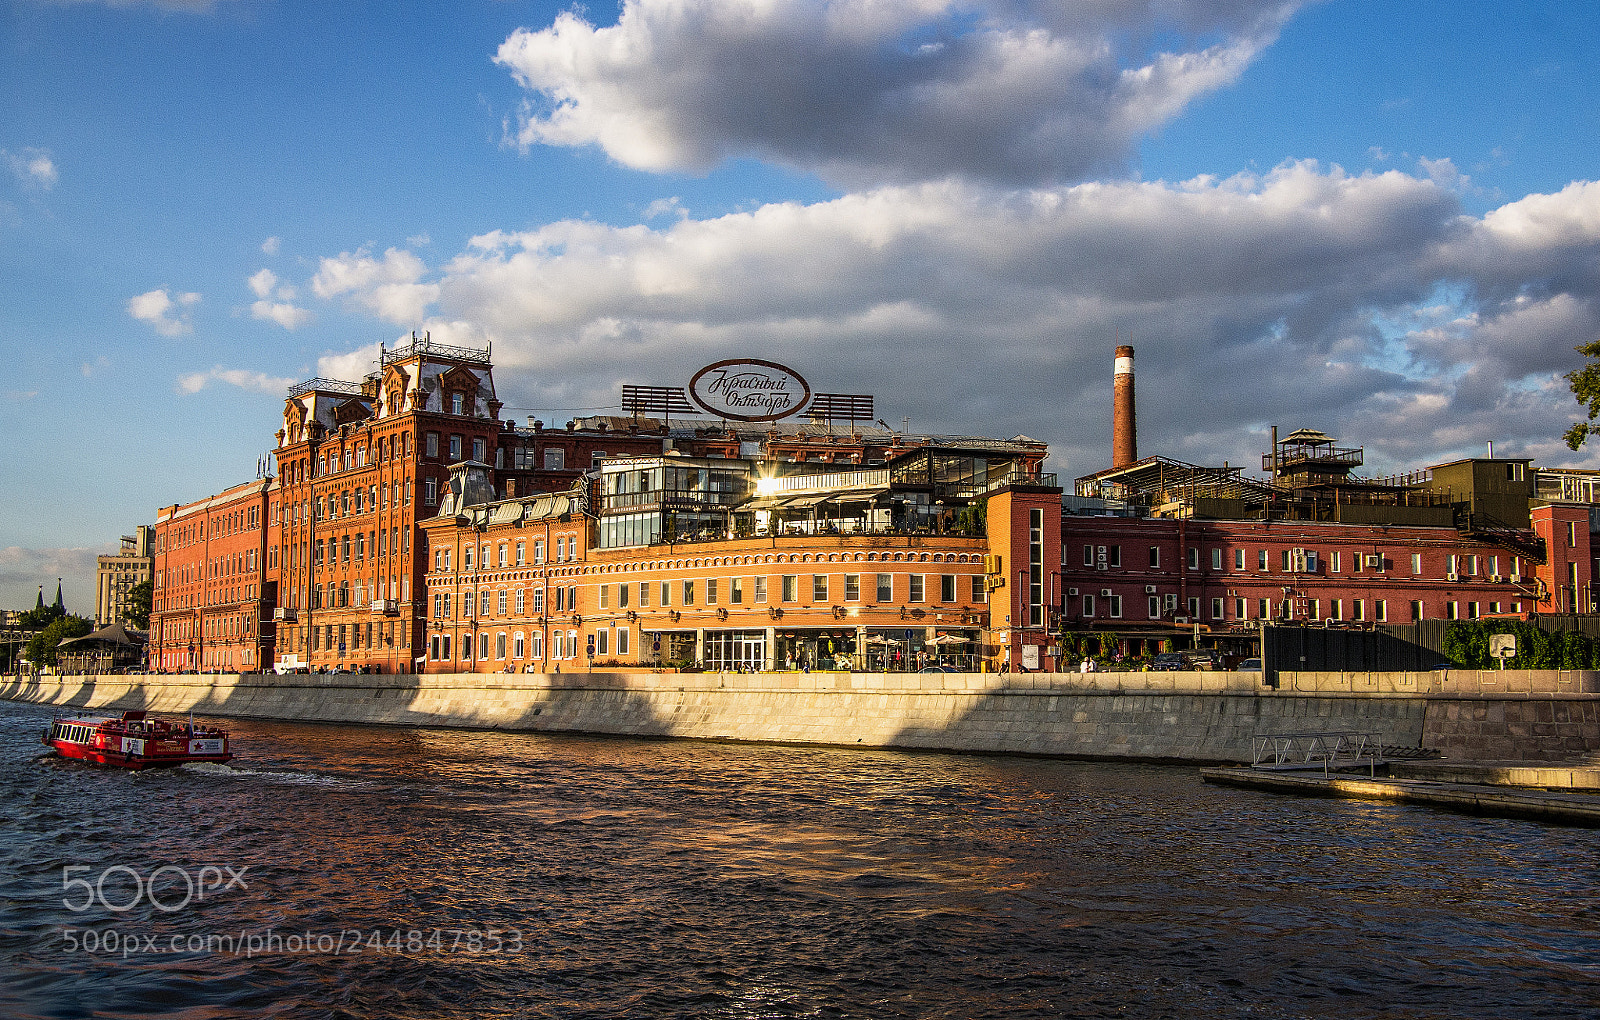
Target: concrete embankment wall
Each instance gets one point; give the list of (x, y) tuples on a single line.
[(1207, 716), (1190, 716)]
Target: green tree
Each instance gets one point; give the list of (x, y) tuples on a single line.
[(36, 619), (139, 597), (42, 646), (1585, 383)]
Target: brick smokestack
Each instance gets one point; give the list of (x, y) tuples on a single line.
[(1124, 426)]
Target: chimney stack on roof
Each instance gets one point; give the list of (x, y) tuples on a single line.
[(1124, 427)]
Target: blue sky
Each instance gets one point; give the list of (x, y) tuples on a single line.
[(1369, 218)]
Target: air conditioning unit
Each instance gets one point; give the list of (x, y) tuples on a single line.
[(1072, 591), (1375, 562), (1105, 593), (1452, 576), (1101, 566), (1516, 578), (1495, 578), (284, 615), (1149, 589), (1180, 619)]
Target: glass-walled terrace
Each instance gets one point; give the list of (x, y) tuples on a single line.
[(661, 481)]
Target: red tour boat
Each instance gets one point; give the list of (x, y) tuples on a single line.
[(134, 742)]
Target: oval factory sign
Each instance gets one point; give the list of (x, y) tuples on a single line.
[(749, 390)]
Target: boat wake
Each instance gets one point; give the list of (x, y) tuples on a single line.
[(292, 778)]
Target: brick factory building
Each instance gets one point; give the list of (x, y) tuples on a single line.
[(410, 528), (211, 607)]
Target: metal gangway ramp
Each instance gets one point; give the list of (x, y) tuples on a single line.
[(1330, 751)]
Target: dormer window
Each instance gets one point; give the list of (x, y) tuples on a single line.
[(455, 403)]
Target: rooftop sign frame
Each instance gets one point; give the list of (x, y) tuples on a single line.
[(748, 389)]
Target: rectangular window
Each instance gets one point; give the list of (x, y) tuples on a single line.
[(538, 603), (666, 594), (1452, 610), (1194, 608), (522, 553), (503, 555), (522, 601), (1155, 557), (1155, 607), (605, 596), (600, 642), (736, 590), (1380, 610), (433, 445), (430, 487), (1216, 559), (1194, 558), (791, 587), (1241, 609), (1088, 555), (1288, 561), (711, 591), (1238, 559), (644, 594), (819, 587), (1416, 563), (455, 448), (947, 588), (918, 591), (1261, 559), (538, 550), (622, 641), (501, 603), (1264, 609), (1416, 611), (761, 588), (885, 587), (477, 450), (1088, 605), (1114, 606), (555, 459), (852, 587), (688, 593), (1333, 562), (980, 589)]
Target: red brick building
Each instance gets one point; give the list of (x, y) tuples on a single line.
[(211, 588), (362, 464)]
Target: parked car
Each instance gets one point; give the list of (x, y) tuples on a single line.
[(1170, 662), (1249, 666)]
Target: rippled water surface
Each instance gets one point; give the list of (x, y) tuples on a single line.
[(650, 878)]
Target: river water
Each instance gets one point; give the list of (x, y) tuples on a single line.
[(437, 873)]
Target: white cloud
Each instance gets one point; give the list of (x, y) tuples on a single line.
[(265, 285), (33, 168), (1367, 305), (255, 382), (167, 315), (864, 91), (263, 282), (270, 245), (283, 313), (666, 207), (388, 287), (354, 365)]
